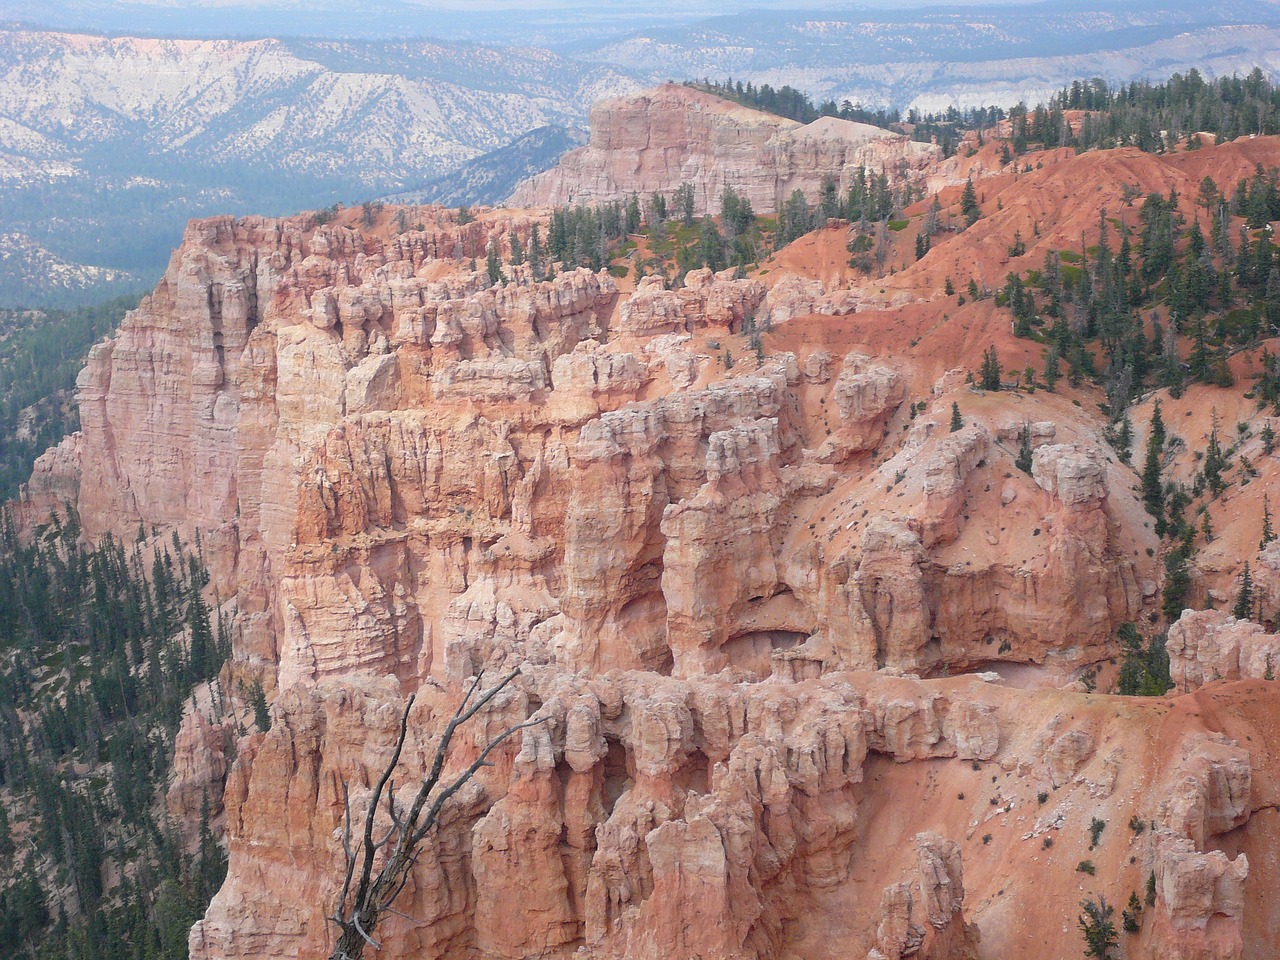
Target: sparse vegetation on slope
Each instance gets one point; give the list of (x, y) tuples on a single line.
[(946, 126)]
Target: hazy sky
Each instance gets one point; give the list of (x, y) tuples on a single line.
[(552, 23), (27, 10)]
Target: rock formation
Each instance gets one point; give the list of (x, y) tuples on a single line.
[(1209, 645), (812, 664), (661, 138)]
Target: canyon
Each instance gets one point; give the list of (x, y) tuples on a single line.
[(820, 673)]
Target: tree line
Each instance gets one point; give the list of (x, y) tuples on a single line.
[(945, 126), (1154, 117)]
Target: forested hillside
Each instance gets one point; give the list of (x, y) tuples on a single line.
[(487, 179), (100, 648), (41, 352)]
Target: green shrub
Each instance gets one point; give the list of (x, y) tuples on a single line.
[(1096, 827)]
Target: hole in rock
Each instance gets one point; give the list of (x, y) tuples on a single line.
[(617, 775), (564, 775), (752, 652), (931, 653), (695, 775), (643, 619), (213, 296), (1024, 676), (660, 661)]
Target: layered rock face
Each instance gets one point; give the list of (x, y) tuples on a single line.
[(1207, 645), (739, 594), (661, 138)]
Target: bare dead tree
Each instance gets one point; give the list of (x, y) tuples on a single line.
[(360, 907)]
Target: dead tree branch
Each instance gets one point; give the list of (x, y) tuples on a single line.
[(359, 910)]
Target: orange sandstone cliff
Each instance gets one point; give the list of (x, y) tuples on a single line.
[(814, 668), (661, 138)]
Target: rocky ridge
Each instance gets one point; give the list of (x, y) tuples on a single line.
[(671, 135)]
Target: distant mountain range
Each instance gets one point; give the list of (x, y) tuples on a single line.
[(491, 178), (956, 56), (109, 144)]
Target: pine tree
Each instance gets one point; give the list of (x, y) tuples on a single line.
[(202, 656), (989, 372), (710, 248), (6, 835), (969, 202), (657, 209), (1177, 581), (633, 213), (1124, 440), (1152, 487), (1214, 460), (1132, 915), (1267, 533), (956, 421), (536, 253), (922, 244), (258, 702), (1098, 929), (829, 199), (1273, 299), (494, 265), (1158, 435), (683, 200), (1200, 360), (211, 868), (1023, 461), (1051, 370), (1244, 599), (795, 219)]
